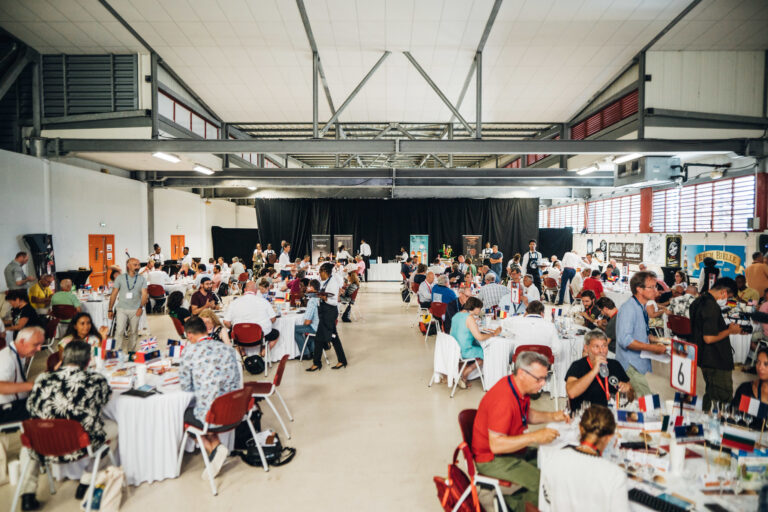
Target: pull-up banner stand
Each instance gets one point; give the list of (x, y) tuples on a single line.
[(321, 246), (420, 248), (472, 245)]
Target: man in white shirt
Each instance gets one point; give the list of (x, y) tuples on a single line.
[(285, 262), (186, 258), (237, 267), (253, 309), (571, 263), (591, 262), (531, 292), (463, 267), (157, 255), (365, 252), (533, 328), (328, 315), (578, 281), (157, 276), (425, 290)]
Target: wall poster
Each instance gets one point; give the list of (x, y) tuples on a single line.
[(346, 240), (321, 246), (673, 253), (730, 258), (590, 245), (420, 247), (472, 246)]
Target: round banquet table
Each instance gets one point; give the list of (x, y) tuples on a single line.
[(618, 297), (286, 344)]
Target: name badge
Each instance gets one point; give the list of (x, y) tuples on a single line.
[(129, 295)]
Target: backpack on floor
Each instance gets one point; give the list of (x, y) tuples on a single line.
[(451, 489), (405, 294)]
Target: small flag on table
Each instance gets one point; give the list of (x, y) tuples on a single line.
[(109, 344), (630, 419), (649, 403), (753, 407), (667, 421), (689, 433), (739, 438), (148, 344), (690, 402), (174, 351)]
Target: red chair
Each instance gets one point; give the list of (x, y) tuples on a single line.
[(414, 294), (436, 310), (266, 389), (250, 335), (51, 327), (242, 278), (546, 352), (54, 438), (679, 325), (63, 311), (226, 413), (550, 285), (467, 424), (52, 361), (179, 327), (156, 293)]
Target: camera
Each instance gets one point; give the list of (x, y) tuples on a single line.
[(744, 320)]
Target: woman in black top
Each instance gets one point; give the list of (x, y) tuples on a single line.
[(175, 309), (22, 315), (757, 388), (346, 296), (709, 274)]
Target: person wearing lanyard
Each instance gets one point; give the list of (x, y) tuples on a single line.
[(500, 443), (585, 383), (531, 261), (131, 289), (328, 313), (425, 290), (633, 332), (14, 390)]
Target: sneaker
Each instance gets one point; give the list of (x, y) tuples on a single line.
[(462, 383)]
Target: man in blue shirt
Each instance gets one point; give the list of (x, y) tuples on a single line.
[(633, 332), (311, 320), (497, 257), (442, 293)]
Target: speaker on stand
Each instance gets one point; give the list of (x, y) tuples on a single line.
[(41, 250)]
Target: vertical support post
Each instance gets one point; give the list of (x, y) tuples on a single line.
[(646, 210), (224, 134), (765, 86), (36, 115), (479, 95), (450, 137), (315, 62), (563, 136), (153, 72), (260, 160), (338, 136), (761, 203), (641, 97), (150, 215)]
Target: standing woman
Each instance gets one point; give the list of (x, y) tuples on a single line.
[(328, 314), (257, 259), (346, 295)]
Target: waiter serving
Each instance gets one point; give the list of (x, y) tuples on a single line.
[(365, 252), (531, 262), (328, 315)]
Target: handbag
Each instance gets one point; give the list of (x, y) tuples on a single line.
[(451, 489), (243, 432), (274, 452), (254, 364), (107, 490)]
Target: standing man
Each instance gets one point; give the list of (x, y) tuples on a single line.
[(497, 257), (757, 273), (365, 252), (15, 277), (328, 313), (485, 254), (186, 258), (712, 336), (633, 332), (570, 264), (531, 261), (157, 256), (130, 291), (285, 262), (463, 267)]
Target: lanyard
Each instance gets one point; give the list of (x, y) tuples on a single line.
[(645, 316), (21, 366), (135, 278), (523, 411), (590, 445), (604, 386)]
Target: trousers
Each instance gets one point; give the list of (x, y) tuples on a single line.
[(127, 318), (566, 278), (517, 470), (719, 386), (326, 332), (298, 335)]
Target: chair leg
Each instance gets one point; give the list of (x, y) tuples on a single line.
[(456, 383), (19, 485), (92, 484), (181, 453), (258, 446), (431, 380), (49, 473), (207, 462), (482, 380), (306, 340), (500, 499), (462, 498), (284, 405), (279, 418)]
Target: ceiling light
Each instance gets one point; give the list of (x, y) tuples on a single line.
[(167, 157), (251, 188), (626, 158), (533, 188), (203, 169), (587, 170)]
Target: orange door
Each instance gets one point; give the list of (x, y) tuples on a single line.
[(177, 246), (101, 255)]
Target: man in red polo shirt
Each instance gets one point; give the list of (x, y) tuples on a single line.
[(499, 439), (593, 283)]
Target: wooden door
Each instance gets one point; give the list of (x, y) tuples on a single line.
[(177, 247), (101, 255)]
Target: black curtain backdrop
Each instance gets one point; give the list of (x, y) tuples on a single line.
[(555, 241), (228, 242), (387, 224)]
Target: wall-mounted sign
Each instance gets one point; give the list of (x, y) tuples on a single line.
[(674, 251), (730, 258)]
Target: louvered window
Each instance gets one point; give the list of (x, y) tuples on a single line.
[(616, 215)]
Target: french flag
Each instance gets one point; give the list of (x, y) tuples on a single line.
[(649, 403), (753, 407)]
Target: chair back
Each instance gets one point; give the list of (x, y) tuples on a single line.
[(64, 311), (414, 288), (178, 325), (229, 408), (679, 325), (52, 361), (541, 349), (54, 438), (402, 274), (243, 277), (50, 327), (467, 425), (353, 298), (549, 282), (156, 291), (247, 334), (280, 370), (438, 309)]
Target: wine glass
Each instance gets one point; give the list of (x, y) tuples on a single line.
[(726, 412)]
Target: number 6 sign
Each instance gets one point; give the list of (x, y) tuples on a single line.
[(683, 365)]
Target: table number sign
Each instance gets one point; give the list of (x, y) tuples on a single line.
[(682, 368)]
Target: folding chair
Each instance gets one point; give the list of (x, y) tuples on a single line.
[(466, 424), (50, 333), (179, 327), (63, 312), (54, 438), (242, 279), (436, 310), (156, 294), (550, 285), (414, 296), (250, 335), (546, 352), (679, 325), (306, 340), (464, 363), (226, 413), (355, 312), (266, 389)]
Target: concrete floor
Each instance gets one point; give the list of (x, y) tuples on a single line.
[(370, 436)]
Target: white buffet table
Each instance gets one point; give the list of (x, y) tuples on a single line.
[(384, 272)]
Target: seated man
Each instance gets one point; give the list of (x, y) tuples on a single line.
[(202, 273), (310, 323), (577, 283), (681, 305), (15, 386), (746, 295), (252, 308), (209, 369), (499, 440), (593, 284), (74, 393), (204, 298), (22, 314), (406, 268), (65, 297), (608, 311), (583, 381), (587, 312), (492, 292), (531, 292), (455, 276), (442, 293), (515, 302), (425, 290), (40, 294), (536, 330), (237, 268)]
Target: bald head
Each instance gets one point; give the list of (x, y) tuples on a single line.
[(251, 286), (430, 277), (66, 285)]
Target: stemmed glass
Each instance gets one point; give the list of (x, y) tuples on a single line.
[(727, 411)]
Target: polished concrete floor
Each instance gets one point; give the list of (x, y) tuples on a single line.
[(368, 437)]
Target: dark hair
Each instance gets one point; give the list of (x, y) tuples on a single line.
[(725, 283), (515, 269), (598, 421), (217, 267), (264, 283), (18, 294), (605, 302), (710, 262), (201, 267), (756, 255), (683, 275), (263, 272), (304, 282), (175, 300), (421, 268), (588, 293), (327, 268), (21, 253), (155, 246), (638, 281), (472, 303), (314, 283), (762, 350), (72, 323), (531, 240), (195, 325), (113, 274), (76, 353), (595, 273), (535, 307)]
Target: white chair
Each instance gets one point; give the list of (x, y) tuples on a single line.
[(267, 389), (446, 359), (306, 339)]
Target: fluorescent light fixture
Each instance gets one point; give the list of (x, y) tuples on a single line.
[(533, 188), (203, 169), (587, 170), (251, 188), (167, 157), (626, 158)]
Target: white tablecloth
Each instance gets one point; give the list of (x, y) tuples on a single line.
[(285, 343), (384, 272), (740, 344), (618, 297)]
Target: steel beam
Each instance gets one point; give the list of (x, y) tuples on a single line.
[(641, 95), (684, 118), (352, 95), (36, 98), (437, 90), (315, 115), (479, 95), (10, 76), (155, 99)]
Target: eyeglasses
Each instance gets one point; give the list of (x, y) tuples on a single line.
[(538, 379)]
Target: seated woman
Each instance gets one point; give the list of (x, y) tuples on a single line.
[(421, 274), (466, 331), (215, 328), (81, 328), (175, 307), (346, 295), (568, 474), (185, 271), (758, 388)]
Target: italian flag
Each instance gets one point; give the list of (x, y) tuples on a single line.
[(739, 438), (753, 407)]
